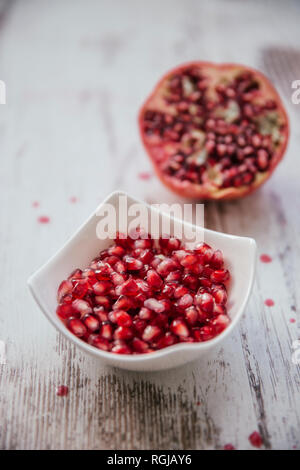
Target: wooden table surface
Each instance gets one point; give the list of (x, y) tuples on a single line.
[(76, 73)]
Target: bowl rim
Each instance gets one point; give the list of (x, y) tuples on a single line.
[(154, 355)]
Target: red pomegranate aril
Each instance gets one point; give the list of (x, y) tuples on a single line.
[(92, 323), (216, 260), (132, 264), (167, 340), (129, 287), (151, 332), (179, 328), (139, 345), (102, 287), (80, 289), (123, 333), (106, 330), (185, 301), (116, 251), (123, 318), (174, 276), (65, 311), (98, 342), (220, 323), (166, 266), (205, 251), (146, 313), (123, 303), (103, 301), (156, 305), (255, 439), (220, 275), (191, 315), (206, 333), (220, 295), (121, 348), (154, 280), (159, 294), (100, 313), (180, 291), (146, 256), (205, 301), (65, 287), (81, 306), (76, 327), (103, 272)]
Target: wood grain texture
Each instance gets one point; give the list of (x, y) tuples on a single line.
[(76, 74)]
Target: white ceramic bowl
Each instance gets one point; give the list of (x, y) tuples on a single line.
[(83, 246)]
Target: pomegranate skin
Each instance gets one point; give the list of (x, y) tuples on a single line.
[(208, 190)]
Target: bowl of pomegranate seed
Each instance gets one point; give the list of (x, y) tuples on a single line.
[(145, 301)]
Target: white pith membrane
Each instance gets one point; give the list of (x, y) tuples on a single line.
[(233, 107)]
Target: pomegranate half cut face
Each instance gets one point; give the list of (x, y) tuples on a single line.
[(214, 131)]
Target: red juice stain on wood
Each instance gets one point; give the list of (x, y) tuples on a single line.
[(292, 320), (255, 439), (269, 302), (145, 175), (62, 391), (229, 447), (73, 199), (265, 259), (43, 219), (35, 204)]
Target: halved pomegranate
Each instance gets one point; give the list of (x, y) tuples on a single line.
[(214, 131), (172, 295)]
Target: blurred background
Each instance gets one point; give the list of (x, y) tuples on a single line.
[(76, 73)]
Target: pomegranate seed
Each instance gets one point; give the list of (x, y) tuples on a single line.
[(180, 291), (121, 348), (255, 439), (191, 315), (220, 275), (190, 281), (92, 323), (154, 280), (64, 288), (62, 391), (123, 333), (65, 311), (220, 323), (151, 332), (167, 340), (122, 318), (123, 303), (80, 289), (102, 287), (129, 287), (100, 313), (188, 260), (156, 305), (103, 301), (145, 313), (174, 276), (117, 279), (76, 327), (179, 328), (139, 345), (133, 264), (220, 295), (76, 274), (103, 272), (185, 301), (146, 256), (166, 266), (205, 251), (106, 331), (116, 251), (216, 260), (120, 267), (81, 306), (98, 342), (205, 302), (206, 333)]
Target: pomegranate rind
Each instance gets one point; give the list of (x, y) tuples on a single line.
[(208, 191)]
